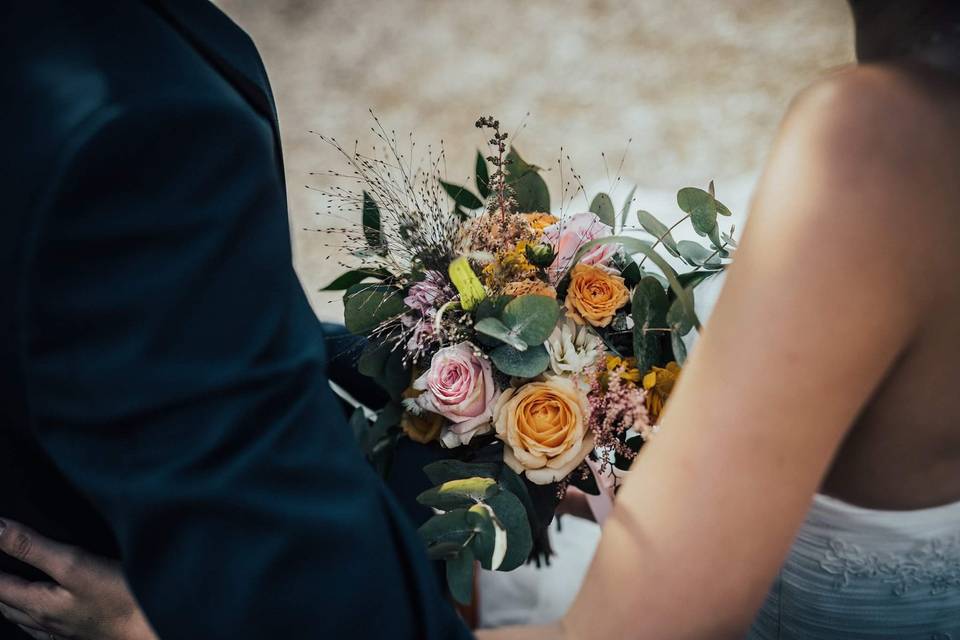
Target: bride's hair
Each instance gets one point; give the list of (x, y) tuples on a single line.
[(894, 28)]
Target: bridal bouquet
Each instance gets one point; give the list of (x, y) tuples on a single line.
[(532, 351)]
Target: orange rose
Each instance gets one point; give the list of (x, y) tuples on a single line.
[(543, 426), (595, 294), (530, 287)]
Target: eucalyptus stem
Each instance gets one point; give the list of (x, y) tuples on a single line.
[(665, 234), (712, 256)]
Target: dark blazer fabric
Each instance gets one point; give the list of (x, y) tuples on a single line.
[(163, 379)]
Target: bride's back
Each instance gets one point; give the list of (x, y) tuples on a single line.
[(904, 450)]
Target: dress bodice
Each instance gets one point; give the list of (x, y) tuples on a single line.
[(864, 573)]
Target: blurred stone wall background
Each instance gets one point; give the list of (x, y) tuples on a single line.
[(698, 85)]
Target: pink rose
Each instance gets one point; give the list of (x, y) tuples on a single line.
[(459, 386), (569, 234)]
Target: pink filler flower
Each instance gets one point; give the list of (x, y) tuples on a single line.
[(569, 234)]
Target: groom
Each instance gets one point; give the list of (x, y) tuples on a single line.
[(164, 396)]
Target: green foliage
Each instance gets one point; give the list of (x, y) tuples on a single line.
[(524, 323), (679, 348), (482, 177), (460, 576), (511, 514), (522, 364), (602, 206), (696, 255), (529, 188), (494, 328), (350, 278), (368, 305), (678, 319), (649, 310), (461, 196), (531, 318), (459, 493), (451, 469), (658, 230)]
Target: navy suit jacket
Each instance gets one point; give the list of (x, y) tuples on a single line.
[(163, 392)]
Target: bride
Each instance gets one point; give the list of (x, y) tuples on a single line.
[(814, 440)]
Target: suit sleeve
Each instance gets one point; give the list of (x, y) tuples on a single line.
[(176, 377)]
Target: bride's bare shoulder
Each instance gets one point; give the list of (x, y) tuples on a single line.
[(877, 114), (879, 137)]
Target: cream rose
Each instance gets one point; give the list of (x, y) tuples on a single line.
[(543, 425)]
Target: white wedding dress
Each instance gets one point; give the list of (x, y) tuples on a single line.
[(864, 573)]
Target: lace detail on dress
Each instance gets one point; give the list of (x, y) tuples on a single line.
[(931, 564)]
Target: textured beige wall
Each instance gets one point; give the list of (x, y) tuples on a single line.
[(699, 85)]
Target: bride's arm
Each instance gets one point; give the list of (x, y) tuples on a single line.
[(823, 297)]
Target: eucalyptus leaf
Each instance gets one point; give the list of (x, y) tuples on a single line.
[(463, 492), (368, 305), (602, 206), (445, 470), (460, 576), (495, 328), (373, 358), (512, 515), (461, 196), (521, 364), (697, 255), (350, 278), (679, 348), (680, 323), (531, 318), (491, 307), (529, 189), (451, 527), (482, 176), (658, 230), (489, 544), (649, 308)]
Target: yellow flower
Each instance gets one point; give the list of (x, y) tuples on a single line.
[(530, 287), (543, 426), (594, 295), (424, 428), (467, 283), (627, 366), (539, 221), (509, 266), (658, 384)]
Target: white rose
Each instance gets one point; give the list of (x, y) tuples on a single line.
[(573, 348)]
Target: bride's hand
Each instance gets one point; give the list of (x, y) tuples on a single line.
[(89, 599)]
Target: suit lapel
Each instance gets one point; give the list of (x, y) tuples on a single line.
[(225, 46), (228, 49)]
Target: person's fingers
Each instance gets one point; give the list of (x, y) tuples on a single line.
[(37, 633), (16, 616), (40, 600), (53, 558)]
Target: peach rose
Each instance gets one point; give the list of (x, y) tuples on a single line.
[(540, 221), (595, 294), (543, 426), (423, 428)]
